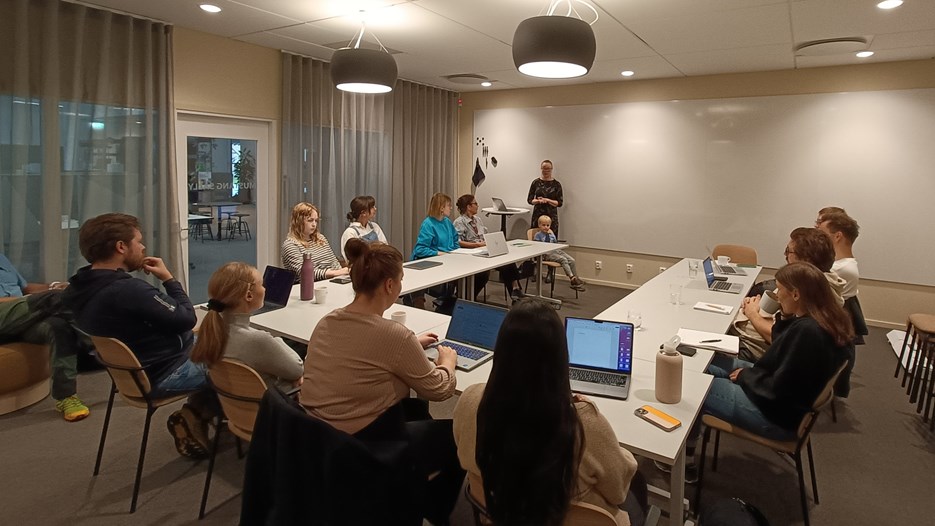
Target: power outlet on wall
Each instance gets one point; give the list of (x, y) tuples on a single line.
[(629, 268), (662, 269), (598, 265)]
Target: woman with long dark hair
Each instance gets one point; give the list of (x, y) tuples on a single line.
[(532, 445)]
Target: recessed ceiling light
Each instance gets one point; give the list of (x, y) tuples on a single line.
[(890, 4), (864, 54), (627, 73), (486, 84), (210, 8)]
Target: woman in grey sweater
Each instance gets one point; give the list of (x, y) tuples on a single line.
[(235, 290)]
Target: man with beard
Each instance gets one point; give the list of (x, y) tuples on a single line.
[(157, 326)]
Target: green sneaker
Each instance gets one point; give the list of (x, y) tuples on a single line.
[(72, 409)]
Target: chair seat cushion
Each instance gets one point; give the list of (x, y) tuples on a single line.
[(721, 425), (923, 322)]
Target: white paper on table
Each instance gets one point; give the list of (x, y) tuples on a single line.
[(714, 307), (470, 251), (702, 340)]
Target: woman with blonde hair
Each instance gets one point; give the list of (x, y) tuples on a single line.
[(235, 290), (437, 235), (305, 239)]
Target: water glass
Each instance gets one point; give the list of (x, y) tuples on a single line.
[(636, 318), (675, 293), (693, 265)]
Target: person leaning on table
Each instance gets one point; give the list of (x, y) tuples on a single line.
[(471, 232), (437, 235), (361, 366), (305, 238)]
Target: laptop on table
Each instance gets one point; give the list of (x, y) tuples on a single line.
[(472, 333), (278, 283), (600, 356), (728, 270), (716, 284), (501, 206), (496, 245)]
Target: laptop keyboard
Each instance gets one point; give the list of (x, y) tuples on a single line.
[(597, 377), (721, 285), (465, 351), (726, 269)]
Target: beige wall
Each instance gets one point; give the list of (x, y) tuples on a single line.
[(884, 303), (219, 75)]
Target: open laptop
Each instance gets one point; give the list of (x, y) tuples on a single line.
[(501, 206), (728, 270), (472, 333), (496, 245), (600, 356), (278, 284), (716, 284)]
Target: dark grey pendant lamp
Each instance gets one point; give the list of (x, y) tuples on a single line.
[(555, 46), (361, 70)]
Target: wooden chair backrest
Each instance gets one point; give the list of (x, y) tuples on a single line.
[(240, 390), (123, 366), (579, 513), (738, 254), (823, 399)]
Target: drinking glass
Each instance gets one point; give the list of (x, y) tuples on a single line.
[(636, 318), (693, 265)]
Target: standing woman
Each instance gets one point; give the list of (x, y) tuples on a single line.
[(363, 210), (235, 290), (545, 194), (304, 238), (361, 366), (471, 232), (529, 446)]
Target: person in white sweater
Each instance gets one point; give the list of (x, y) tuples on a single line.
[(235, 290), (363, 227), (843, 230)]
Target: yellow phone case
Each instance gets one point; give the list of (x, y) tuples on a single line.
[(657, 418)]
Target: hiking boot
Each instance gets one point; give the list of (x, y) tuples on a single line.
[(691, 470), (191, 439), (577, 284), (72, 409), (516, 294)]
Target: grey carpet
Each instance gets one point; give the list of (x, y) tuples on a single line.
[(875, 466)]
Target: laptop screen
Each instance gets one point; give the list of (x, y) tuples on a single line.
[(475, 324), (278, 283), (597, 344), (708, 271)]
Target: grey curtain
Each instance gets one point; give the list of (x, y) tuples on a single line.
[(399, 147), (86, 127)]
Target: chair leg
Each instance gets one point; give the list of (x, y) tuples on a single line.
[(802, 495), (926, 364), (704, 449), (902, 352), (139, 465), (918, 371), (911, 354), (219, 427), (717, 449), (811, 468), (100, 448)]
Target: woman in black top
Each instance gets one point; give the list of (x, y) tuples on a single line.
[(545, 194)]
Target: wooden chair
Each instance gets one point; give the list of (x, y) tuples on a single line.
[(793, 448), (130, 380), (551, 266), (240, 390), (738, 254)]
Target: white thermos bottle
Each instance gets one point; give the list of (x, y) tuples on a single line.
[(669, 372)]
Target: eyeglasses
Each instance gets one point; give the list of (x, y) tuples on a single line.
[(473, 204)]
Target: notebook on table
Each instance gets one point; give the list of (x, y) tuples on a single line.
[(501, 206), (496, 245), (472, 333), (719, 285), (278, 284), (422, 264), (600, 356)]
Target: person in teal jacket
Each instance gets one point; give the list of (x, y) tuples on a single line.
[(436, 235)]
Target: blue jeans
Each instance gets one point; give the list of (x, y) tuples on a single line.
[(187, 378), (727, 401)]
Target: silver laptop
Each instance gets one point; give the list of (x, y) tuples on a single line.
[(501, 206), (719, 285), (600, 356), (472, 333), (496, 245), (728, 270)]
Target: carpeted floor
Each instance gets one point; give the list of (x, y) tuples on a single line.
[(875, 466)]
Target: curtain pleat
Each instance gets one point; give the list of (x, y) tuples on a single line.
[(398, 147)]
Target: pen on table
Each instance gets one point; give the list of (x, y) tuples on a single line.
[(718, 307), (710, 341)]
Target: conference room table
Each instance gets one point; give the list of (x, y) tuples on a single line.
[(220, 206)]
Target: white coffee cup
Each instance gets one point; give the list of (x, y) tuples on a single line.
[(769, 303), (321, 294), (399, 317), (723, 260)]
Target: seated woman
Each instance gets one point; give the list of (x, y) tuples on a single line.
[(361, 366), (809, 343), (363, 210), (436, 235), (529, 446), (235, 290), (305, 239), (471, 232)]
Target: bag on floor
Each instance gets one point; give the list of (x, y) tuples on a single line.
[(731, 512)]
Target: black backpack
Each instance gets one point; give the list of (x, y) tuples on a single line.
[(731, 512)]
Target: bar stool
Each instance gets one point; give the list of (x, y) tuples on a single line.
[(241, 227), (920, 333)]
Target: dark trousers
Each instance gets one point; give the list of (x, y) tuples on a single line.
[(50, 330), (509, 275)]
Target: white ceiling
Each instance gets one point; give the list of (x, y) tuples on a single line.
[(654, 38)]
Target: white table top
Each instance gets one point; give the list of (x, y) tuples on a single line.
[(662, 320), (509, 212)]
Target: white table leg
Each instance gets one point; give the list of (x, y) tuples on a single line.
[(677, 489), (539, 284)]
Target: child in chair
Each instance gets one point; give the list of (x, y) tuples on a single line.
[(567, 262)]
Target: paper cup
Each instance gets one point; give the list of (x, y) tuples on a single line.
[(321, 294), (399, 317)]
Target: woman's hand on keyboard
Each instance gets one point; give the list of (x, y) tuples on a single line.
[(447, 357), (428, 339)]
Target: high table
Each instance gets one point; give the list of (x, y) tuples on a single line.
[(219, 205), (504, 214)]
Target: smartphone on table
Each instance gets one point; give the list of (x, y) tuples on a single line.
[(657, 418), (341, 279)]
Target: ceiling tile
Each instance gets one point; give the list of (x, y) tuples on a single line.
[(820, 19), (760, 58)]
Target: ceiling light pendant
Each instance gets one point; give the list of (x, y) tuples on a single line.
[(361, 70), (555, 46)]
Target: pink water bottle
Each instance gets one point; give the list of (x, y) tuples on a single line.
[(307, 279)]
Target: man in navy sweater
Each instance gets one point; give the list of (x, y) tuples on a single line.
[(157, 326)]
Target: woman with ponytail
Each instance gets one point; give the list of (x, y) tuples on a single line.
[(362, 226), (235, 290)]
